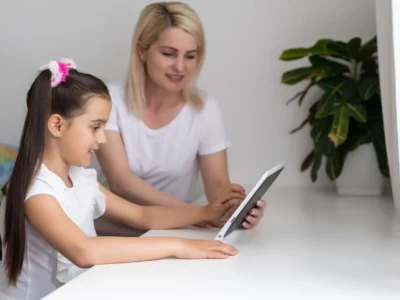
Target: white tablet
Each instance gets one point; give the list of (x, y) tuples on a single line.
[(258, 191)]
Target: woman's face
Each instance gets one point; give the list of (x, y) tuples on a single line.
[(171, 60)]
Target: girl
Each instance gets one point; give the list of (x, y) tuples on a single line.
[(51, 200)]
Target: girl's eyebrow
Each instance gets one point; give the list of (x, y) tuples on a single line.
[(99, 121)]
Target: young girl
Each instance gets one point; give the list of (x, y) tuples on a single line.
[(51, 201)]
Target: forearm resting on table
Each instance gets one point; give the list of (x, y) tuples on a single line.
[(107, 250), (133, 188)]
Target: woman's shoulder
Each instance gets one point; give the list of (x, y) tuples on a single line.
[(210, 106), (117, 93)]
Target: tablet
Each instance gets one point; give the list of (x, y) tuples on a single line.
[(258, 191)]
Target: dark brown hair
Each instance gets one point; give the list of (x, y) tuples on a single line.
[(68, 99)]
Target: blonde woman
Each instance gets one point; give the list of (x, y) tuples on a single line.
[(162, 130)]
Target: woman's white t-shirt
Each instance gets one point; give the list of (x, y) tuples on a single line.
[(166, 158), (44, 269)]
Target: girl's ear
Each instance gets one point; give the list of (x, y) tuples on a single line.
[(56, 125)]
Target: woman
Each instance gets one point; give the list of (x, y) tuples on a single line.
[(162, 130)]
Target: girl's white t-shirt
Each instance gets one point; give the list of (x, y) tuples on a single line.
[(166, 158), (44, 269)]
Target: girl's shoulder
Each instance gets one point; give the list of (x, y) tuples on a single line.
[(45, 182)]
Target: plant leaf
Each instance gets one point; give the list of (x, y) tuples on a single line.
[(312, 83), (294, 53), (327, 64), (357, 111), (325, 146), (382, 159), (333, 85), (340, 86), (297, 75), (354, 46), (303, 93), (325, 106), (320, 128), (368, 49), (316, 166), (356, 137), (367, 89), (340, 126), (307, 161), (333, 166), (320, 68), (301, 125), (378, 140), (321, 47), (349, 49), (319, 133)]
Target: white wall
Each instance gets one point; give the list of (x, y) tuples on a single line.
[(244, 41)]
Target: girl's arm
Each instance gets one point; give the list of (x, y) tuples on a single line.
[(47, 217), (163, 217)]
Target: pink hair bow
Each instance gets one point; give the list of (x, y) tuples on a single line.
[(59, 70)]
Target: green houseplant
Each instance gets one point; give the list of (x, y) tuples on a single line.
[(348, 113)]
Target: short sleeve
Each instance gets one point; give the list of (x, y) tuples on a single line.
[(99, 203), (41, 186), (99, 200), (89, 176), (116, 95), (213, 136)]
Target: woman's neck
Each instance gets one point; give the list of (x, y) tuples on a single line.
[(157, 98)]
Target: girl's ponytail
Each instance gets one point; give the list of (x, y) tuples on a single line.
[(26, 166)]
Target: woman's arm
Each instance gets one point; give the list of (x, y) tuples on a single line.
[(68, 239), (214, 171), (114, 163)]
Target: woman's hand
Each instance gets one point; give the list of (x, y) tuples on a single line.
[(255, 215), (202, 249)]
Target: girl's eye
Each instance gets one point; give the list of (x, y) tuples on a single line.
[(167, 54)]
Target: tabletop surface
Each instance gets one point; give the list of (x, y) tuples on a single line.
[(309, 245)]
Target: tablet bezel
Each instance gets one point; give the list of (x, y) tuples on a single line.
[(249, 202)]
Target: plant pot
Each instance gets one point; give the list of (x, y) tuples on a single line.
[(360, 175)]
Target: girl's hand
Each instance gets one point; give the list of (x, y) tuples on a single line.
[(219, 210), (203, 249)]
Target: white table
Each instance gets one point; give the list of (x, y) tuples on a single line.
[(310, 245)]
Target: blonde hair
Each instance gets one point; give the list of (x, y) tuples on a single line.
[(152, 21)]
